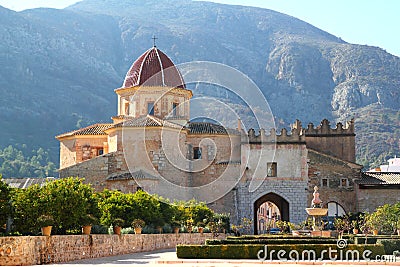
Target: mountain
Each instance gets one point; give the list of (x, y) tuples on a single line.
[(60, 67)]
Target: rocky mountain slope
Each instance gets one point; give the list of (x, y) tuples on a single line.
[(60, 67)]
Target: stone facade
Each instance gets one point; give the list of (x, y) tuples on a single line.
[(369, 199), (34, 250), (133, 101), (339, 142), (335, 179), (151, 144)]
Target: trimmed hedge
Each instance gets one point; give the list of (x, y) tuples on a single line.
[(250, 251), (390, 245), (276, 241), (250, 237), (373, 239)]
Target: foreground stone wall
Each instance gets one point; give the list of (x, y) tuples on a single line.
[(33, 250)]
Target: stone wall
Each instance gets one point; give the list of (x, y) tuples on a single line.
[(289, 185), (72, 150), (373, 197), (290, 189), (33, 250), (335, 179), (338, 142)]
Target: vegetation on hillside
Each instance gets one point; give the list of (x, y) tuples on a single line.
[(378, 135), (19, 162)]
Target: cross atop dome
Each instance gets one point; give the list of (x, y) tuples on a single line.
[(154, 40)]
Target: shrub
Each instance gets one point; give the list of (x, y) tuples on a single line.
[(244, 227), (246, 251), (385, 218), (373, 239), (138, 223), (99, 229), (270, 241), (5, 199), (390, 245), (249, 237), (118, 222), (148, 208), (206, 230), (45, 220), (28, 206), (176, 224), (114, 205), (68, 201), (167, 228), (198, 211), (128, 230), (88, 219), (148, 229)]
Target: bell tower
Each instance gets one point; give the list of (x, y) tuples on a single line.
[(154, 86)]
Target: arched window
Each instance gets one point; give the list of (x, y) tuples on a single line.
[(335, 209)]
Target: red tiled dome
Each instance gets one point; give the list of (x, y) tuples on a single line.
[(153, 68)]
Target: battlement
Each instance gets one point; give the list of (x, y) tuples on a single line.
[(284, 137), (324, 129), (338, 142)]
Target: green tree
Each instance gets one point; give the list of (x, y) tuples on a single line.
[(169, 212), (28, 205), (198, 211), (386, 217), (148, 208), (115, 205), (67, 200), (5, 198)]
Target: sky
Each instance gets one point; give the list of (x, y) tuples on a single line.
[(365, 22)]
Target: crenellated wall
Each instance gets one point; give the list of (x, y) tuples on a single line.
[(284, 137), (338, 142), (325, 129)]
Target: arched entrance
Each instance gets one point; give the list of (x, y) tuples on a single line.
[(273, 207)]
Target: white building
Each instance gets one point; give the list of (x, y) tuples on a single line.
[(393, 166)]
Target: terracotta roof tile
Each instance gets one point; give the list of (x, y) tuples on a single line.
[(148, 121), (153, 68), (379, 178), (95, 129), (137, 175), (209, 128)]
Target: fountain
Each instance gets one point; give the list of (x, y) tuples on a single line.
[(316, 211)]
